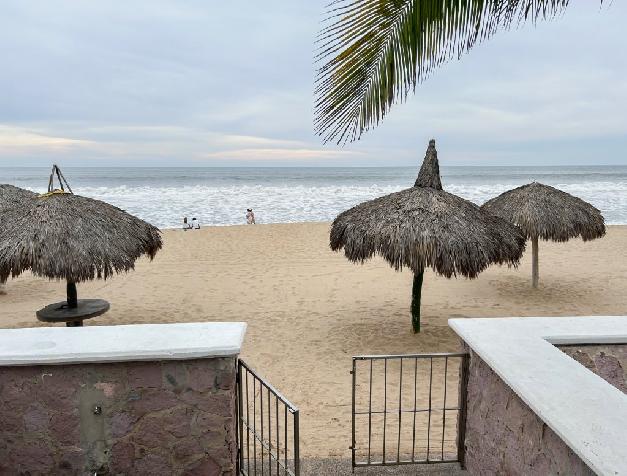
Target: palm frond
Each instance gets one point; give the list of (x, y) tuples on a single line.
[(375, 52)]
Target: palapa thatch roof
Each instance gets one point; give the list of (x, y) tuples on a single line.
[(11, 196), (548, 213), (66, 236), (424, 226)]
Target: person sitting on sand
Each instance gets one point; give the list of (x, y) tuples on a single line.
[(195, 224), (186, 225), (250, 216)]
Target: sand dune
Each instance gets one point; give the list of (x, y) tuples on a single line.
[(309, 310)]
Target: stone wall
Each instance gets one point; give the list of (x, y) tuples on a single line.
[(504, 436), (607, 361), (174, 417)]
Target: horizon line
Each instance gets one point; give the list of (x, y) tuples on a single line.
[(290, 166)]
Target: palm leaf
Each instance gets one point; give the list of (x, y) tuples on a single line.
[(375, 52)]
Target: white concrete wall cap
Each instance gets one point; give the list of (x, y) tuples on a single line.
[(73, 345), (585, 411)]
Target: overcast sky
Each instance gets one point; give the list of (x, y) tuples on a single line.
[(201, 83)]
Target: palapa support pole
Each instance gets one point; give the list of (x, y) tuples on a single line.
[(72, 303), (416, 293), (534, 263), (72, 295)]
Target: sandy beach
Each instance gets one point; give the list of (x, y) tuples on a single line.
[(309, 310)]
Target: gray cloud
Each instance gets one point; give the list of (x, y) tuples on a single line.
[(230, 83)]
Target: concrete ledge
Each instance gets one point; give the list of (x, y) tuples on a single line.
[(583, 410), (74, 345)]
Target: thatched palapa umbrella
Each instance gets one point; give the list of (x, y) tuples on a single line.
[(60, 235), (424, 226), (542, 211)]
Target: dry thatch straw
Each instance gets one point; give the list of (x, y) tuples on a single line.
[(11, 196), (542, 211), (66, 236), (424, 226), (548, 213)]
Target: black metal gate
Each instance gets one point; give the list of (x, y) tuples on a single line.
[(267, 428), (408, 409)]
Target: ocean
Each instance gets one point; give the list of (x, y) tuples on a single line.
[(220, 196)]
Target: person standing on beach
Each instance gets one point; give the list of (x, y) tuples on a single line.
[(186, 225), (250, 216)]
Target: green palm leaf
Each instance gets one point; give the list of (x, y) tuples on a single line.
[(375, 52)]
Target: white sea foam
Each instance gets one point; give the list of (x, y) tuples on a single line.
[(220, 196), (165, 206)]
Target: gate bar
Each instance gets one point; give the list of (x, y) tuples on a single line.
[(410, 356), (240, 420), (461, 417), (353, 372)]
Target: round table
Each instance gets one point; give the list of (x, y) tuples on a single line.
[(73, 316)]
